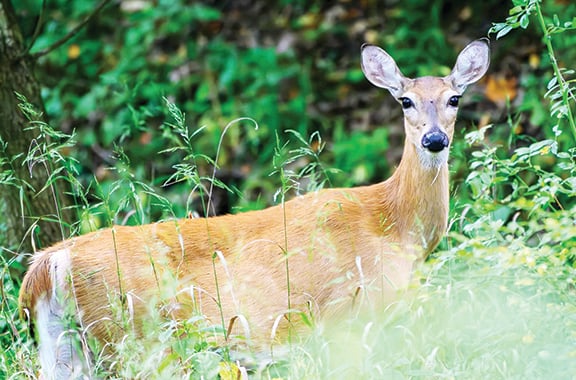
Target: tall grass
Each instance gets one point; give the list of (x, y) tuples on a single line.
[(471, 323)]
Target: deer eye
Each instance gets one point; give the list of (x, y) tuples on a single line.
[(453, 101), (406, 103)]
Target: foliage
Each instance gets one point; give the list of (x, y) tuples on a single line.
[(152, 105), (560, 89)]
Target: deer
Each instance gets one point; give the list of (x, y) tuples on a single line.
[(311, 252)]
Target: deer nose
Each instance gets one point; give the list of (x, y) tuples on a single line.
[(435, 140)]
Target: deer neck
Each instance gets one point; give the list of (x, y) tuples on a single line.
[(416, 198)]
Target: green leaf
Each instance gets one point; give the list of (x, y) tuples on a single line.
[(515, 10), (504, 31), (206, 13), (524, 21)]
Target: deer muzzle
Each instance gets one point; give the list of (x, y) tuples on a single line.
[(435, 140)]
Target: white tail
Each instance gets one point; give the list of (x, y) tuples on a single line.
[(336, 241)]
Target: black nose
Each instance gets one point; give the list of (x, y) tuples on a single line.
[(435, 140)]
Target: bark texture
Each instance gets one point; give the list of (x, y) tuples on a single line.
[(22, 203)]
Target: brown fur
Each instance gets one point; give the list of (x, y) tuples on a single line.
[(325, 232)]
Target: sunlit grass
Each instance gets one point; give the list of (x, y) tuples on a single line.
[(468, 320)]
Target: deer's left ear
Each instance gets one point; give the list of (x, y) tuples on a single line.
[(471, 64)]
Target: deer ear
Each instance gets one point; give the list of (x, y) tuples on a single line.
[(471, 64), (381, 70)]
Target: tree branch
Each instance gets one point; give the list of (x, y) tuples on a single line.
[(37, 28), (71, 33)]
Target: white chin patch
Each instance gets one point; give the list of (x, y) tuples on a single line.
[(432, 160)]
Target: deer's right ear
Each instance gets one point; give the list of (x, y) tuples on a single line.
[(381, 70)]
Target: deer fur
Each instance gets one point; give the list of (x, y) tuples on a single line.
[(336, 241)]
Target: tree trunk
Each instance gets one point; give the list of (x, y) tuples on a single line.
[(31, 218)]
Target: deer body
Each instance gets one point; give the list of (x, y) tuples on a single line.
[(330, 243)]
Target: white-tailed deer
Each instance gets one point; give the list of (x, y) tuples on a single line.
[(335, 241)]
